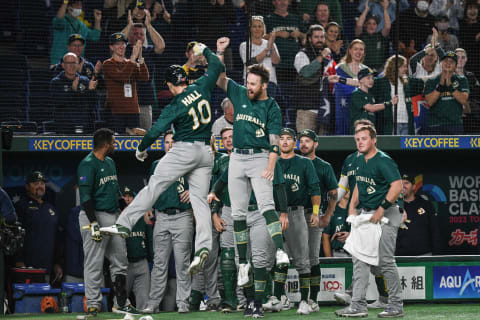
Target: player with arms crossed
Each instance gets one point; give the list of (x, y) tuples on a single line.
[(256, 128), (191, 156)]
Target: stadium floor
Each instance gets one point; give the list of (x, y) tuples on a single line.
[(415, 311)]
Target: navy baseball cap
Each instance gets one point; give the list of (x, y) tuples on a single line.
[(140, 4), (128, 191), (308, 133), (117, 36), (452, 55), (36, 176), (74, 37), (364, 73), (290, 132), (409, 177), (176, 75)]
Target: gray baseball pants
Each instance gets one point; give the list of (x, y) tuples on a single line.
[(194, 160), (387, 265), (314, 241), (110, 247), (171, 232), (296, 238), (261, 244), (244, 173), (138, 280)]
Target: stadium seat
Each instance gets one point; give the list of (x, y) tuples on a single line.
[(21, 127)]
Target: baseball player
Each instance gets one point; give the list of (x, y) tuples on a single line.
[(99, 196), (173, 231), (301, 184), (191, 156), (328, 186), (378, 186), (139, 254), (256, 126)]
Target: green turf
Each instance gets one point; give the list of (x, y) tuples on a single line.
[(416, 311)]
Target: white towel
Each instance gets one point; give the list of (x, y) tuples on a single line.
[(363, 241)]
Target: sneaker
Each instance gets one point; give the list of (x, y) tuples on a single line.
[(126, 309), (343, 298), (248, 309), (226, 308), (391, 313), (313, 306), (378, 304), (303, 308), (273, 304), (282, 259), (116, 229), (211, 307), (257, 312), (147, 310), (92, 312), (183, 308), (285, 302), (243, 271), (349, 312), (198, 262)]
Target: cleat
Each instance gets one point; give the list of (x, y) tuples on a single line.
[(342, 298), (349, 312), (116, 229), (391, 313), (248, 310), (198, 262), (313, 306), (285, 302), (273, 305), (243, 274), (303, 308), (92, 312), (378, 304), (257, 312), (126, 309), (226, 308), (211, 307), (183, 308), (282, 259)]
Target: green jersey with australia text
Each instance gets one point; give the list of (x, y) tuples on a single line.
[(374, 178), (301, 180), (253, 120), (327, 181), (140, 242), (97, 181), (190, 112), (170, 198)]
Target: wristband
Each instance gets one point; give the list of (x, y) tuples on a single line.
[(386, 204), (387, 104), (316, 209), (274, 148), (342, 80), (65, 1)]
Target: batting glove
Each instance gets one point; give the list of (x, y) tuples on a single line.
[(141, 155), (95, 231), (198, 48)]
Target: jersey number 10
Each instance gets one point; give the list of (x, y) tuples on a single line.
[(202, 106)]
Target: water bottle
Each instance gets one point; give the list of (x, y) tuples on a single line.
[(64, 302)]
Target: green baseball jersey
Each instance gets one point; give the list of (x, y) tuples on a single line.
[(301, 180), (253, 120), (189, 112), (374, 178), (97, 181), (220, 165), (288, 47), (170, 198), (447, 110), (358, 100), (349, 168), (337, 224), (327, 181), (140, 242)]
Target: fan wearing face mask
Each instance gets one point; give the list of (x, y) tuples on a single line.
[(67, 22)]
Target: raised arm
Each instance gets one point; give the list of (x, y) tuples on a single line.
[(361, 20)]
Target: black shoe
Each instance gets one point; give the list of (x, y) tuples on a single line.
[(211, 307), (248, 309), (257, 312), (92, 312)]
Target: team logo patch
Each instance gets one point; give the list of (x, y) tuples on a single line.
[(370, 190), (259, 133), (295, 187), (455, 84), (180, 188), (52, 213), (420, 211)]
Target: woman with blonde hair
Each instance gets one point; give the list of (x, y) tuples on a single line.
[(384, 90)]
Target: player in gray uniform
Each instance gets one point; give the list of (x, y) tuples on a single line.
[(256, 126), (191, 115), (173, 231), (99, 196)]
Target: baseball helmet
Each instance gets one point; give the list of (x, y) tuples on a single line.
[(49, 305), (175, 75)]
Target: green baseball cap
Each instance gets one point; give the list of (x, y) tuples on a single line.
[(290, 132), (36, 176), (364, 73), (74, 37), (452, 55), (116, 37), (308, 133), (128, 191)]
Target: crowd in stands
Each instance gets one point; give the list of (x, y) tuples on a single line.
[(107, 59)]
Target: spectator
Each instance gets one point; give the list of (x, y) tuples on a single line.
[(76, 44), (334, 42), (121, 6), (337, 231), (424, 64), (262, 51), (139, 254), (41, 247), (66, 23), (384, 90), (308, 9), (452, 9), (196, 65), (310, 63), (288, 29), (226, 120), (121, 75), (145, 89), (376, 43), (470, 36), (446, 94), (421, 236), (349, 66), (448, 41), (321, 14), (71, 96), (472, 109), (7, 210), (73, 248), (415, 25), (377, 10)]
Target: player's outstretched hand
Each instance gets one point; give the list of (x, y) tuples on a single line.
[(284, 220), (268, 174), (141, 155), (198, 48), (95, 231)]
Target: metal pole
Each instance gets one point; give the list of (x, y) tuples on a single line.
[(248, 6), (397, 35)]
